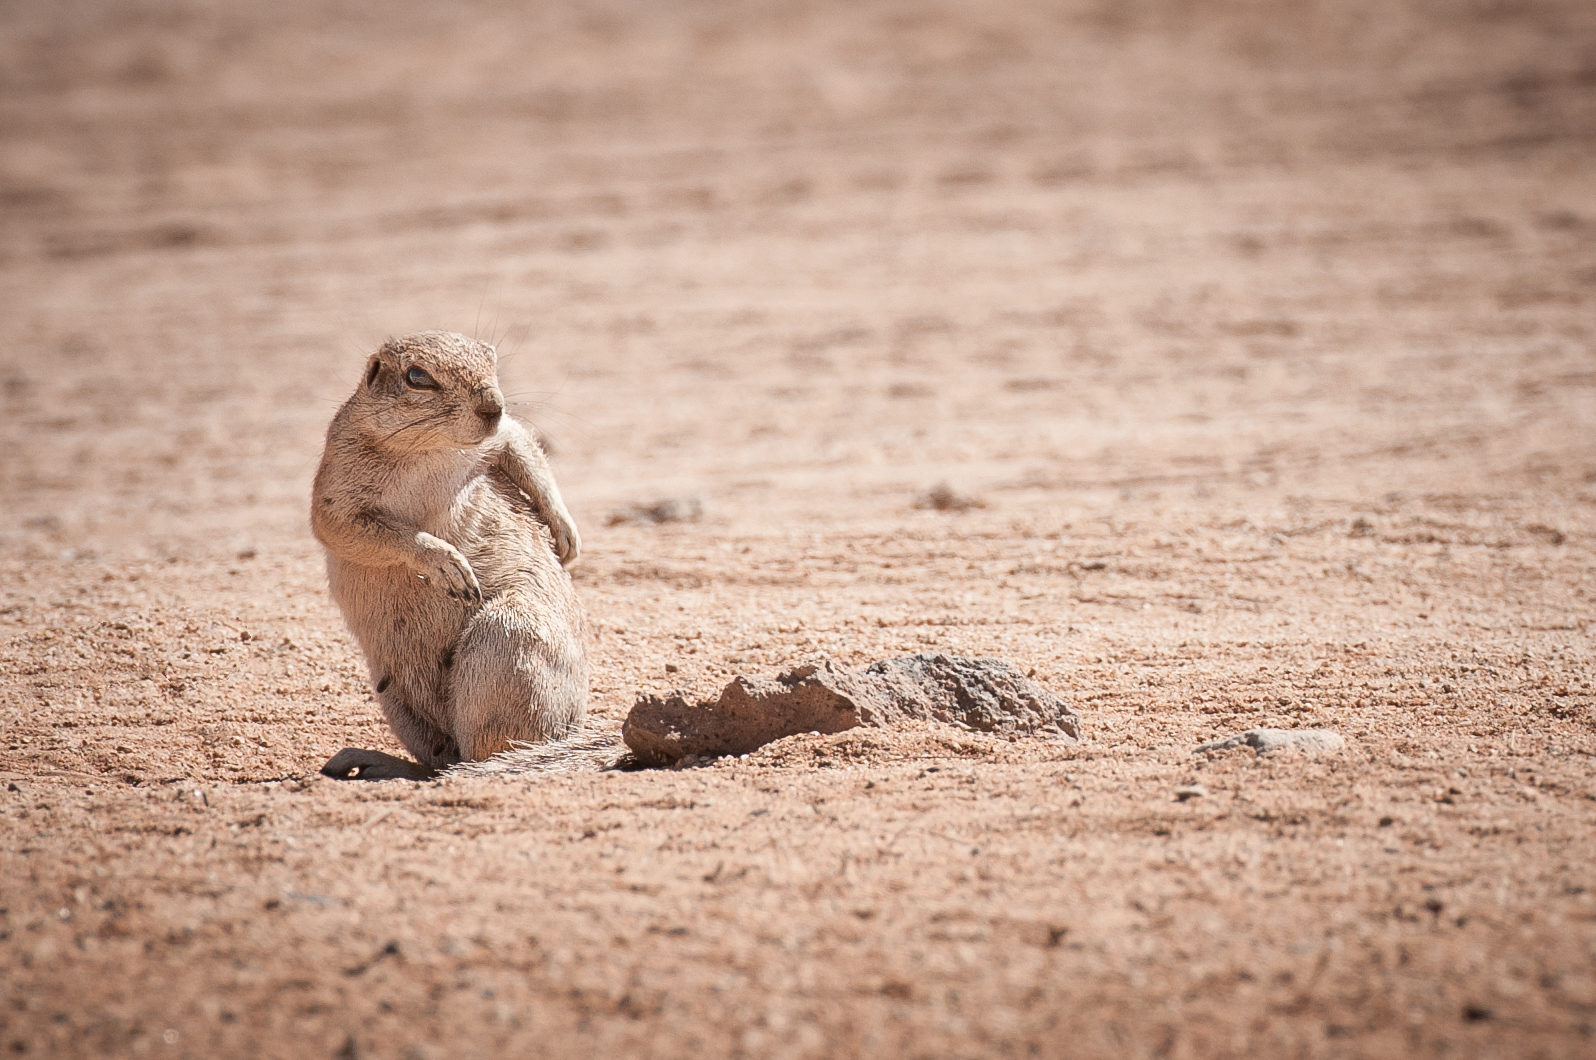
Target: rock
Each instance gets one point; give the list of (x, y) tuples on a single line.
[(822, 697), (988, 695), (1313, 741), (669, 510), (818, 697), (1188, 792), (942, 498)]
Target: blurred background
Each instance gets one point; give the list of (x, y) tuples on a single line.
[(802, 260)]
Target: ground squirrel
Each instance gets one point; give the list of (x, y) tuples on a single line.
[(442, 524)]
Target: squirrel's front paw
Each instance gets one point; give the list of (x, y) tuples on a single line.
[(567, 542), (446, 566)]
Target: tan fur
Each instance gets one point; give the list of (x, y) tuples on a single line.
[(445, 538)]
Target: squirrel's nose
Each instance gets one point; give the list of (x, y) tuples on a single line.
[(490, 404)]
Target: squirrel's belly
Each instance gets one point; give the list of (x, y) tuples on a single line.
[(499, 536), (469, 517), (395, 615)]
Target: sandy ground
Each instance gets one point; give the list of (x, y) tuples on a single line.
[(1263, 333)]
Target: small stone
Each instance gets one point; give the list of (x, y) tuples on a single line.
[(669, 510), (942, 498), (1264, 741), (1190, 791)]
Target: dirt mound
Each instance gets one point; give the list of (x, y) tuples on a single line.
[(988, 695)]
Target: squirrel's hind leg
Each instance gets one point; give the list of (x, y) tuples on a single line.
[(514, 683), (434, 748)]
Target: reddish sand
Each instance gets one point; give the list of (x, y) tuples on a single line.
[(1263, 332)]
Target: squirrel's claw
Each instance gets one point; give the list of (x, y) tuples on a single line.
[(449, 567), (567, 542)]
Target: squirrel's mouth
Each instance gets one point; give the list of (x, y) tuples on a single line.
[(480, 435)]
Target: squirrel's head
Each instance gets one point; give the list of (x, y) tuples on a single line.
[(434, 390)]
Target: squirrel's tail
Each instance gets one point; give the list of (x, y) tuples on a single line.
[(586, 751)]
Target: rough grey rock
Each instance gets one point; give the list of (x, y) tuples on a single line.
[(1313, 741), (984, 694), (989, 695)]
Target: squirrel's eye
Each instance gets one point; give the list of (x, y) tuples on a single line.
[(421, 379)]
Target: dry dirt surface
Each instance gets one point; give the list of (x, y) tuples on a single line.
[(1252, 341)]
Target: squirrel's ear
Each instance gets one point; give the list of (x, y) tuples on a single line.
[(373, 370)]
